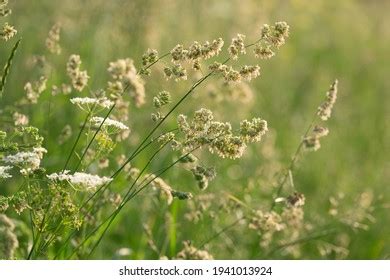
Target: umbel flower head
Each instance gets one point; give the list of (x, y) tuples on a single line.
[(108, 124), (88, 103), (26, 161), (81, 180), (4, 172)]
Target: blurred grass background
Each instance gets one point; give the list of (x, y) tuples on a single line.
[(348, 40)]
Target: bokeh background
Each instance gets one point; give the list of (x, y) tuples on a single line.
[(348, 40)]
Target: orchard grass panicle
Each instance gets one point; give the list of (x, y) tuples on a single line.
[(53, 39), (7, 32), (78, 78)]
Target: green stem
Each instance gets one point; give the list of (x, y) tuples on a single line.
[(8, 67), (77, 140)]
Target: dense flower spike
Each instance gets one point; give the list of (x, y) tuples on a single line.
[(4, 11), (8, 239), (7, 32), (176, 71), (168, 192), (125, 75), (250, 72), (63, 89), (178, 53), (218, 136), (53, 39), (237, 46), (163, 98), (275, 35), (189, 252), (325, 110), (35, 89), (272, 37), (197, 51), (203, 176), (312, 142), (149, 57), (263, 52), (79, 78), (252, 131)]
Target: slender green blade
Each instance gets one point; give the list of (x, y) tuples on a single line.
[(7, 67)]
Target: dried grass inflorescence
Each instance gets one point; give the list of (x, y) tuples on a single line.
[(78, 78), (325, 110), (7, 32), (8, 239), (282, 226), (35, 89), (53, 39), (125, 76), (312, 140), (218, 137), (189, 252)]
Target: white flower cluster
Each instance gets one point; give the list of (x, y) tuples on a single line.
[(108, 123), (80, 179), (87, 103), (27, 161), (4, 172)]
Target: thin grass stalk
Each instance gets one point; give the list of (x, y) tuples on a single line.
[(7, 67)]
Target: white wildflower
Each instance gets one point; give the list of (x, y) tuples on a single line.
[(27, 161), (80, 179), (108, 123), (87, 103), (4, 172)]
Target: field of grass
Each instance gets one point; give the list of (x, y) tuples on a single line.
[(345, 183)]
